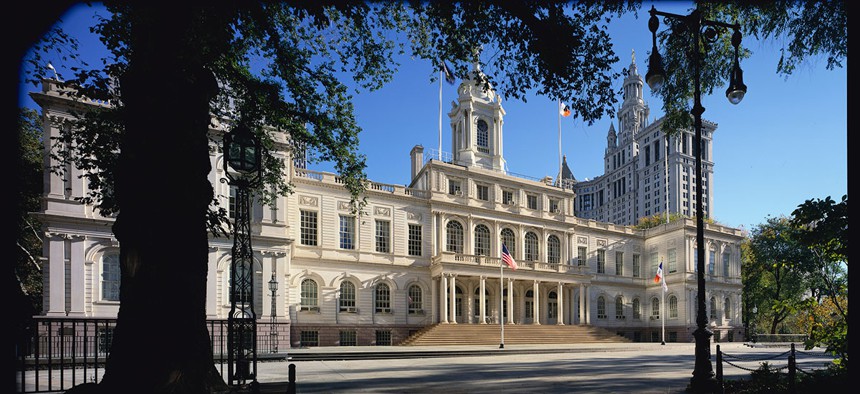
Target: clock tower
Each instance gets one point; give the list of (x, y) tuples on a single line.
[(477, 118)]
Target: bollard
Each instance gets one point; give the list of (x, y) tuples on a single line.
[(721, 388), (291, 386), (792, 370)]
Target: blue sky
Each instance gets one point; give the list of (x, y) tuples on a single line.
[(786, 142)]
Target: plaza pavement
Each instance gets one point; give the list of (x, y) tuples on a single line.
[(591, 368)]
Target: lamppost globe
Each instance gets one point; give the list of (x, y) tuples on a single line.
[(242, 150), (273, 284)]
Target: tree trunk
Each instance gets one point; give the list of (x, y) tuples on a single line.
[(161, 343)]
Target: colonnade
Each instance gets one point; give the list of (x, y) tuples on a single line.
[(522, 301)]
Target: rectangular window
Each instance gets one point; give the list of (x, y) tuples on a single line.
[(308, 228), (531, 199), (726, 260), (619, 263), (507, 197), (672, 256), (454, 188), (637, 270), (383, 236), (554, 206), (654, 262), (712, 257), (601, 261), (580, 258), (309, 338), (231, 205), (347, 232), (348, 338), (415, 240), (483, 192), (383, 338)]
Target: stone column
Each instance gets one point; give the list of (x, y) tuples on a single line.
[(582, 304), (536, 291), (510, 301), (453, 301), (55, 274), (443, 299), (76, 277), (212, 284), (483, 300), (560, 319)]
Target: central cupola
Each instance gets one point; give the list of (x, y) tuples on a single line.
[(477, 118)]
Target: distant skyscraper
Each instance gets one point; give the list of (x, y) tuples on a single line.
[(633, 184)]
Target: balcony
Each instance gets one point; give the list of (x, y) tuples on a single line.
[(468, 260)]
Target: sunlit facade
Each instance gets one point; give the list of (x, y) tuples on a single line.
[(422, 254)]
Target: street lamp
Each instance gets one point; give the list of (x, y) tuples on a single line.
[(273, 330), (703, 375), (242, 152)]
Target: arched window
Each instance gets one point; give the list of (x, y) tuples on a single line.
[(553, 250), (383, 298), (655, 308), (110, 276), (727, 308), (455, 236), (713, 310), (531, 246), (510, 240), (309, 295), (637, 310), (482, 240), (483, 137), (673, 307), (727, 257), (601, 308), (415, 300), (619, 307), (347, 296)]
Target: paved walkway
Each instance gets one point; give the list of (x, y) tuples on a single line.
[(610, 368), (587, 368)]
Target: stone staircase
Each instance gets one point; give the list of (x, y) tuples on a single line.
[(520, 334)]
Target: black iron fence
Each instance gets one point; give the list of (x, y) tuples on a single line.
[(60, 353), (810, 360)]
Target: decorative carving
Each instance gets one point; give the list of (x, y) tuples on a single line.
[(380, 211), (413, 216), (307, 200), (582, 240), (343, 205), (601, 242)]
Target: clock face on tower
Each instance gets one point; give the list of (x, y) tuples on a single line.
[(482, 125)]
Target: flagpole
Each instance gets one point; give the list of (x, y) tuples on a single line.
[(441, 75), (501, 302), (663, 307), (559, 143)]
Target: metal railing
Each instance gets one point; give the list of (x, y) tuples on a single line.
[(60, 353)]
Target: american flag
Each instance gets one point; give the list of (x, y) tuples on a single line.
[(507, 258)]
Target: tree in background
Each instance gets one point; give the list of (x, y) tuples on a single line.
[(171, 69), (821, 226), (774, 274), (28, 268)]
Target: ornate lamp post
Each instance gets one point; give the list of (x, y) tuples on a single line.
[(273, 331), (703, 375), (242, 152)]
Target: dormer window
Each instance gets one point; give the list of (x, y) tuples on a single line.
[(483, 137)]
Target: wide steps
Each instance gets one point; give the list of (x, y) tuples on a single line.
[(524, 334)]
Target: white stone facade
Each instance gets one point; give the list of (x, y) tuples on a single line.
[(418, 255)]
